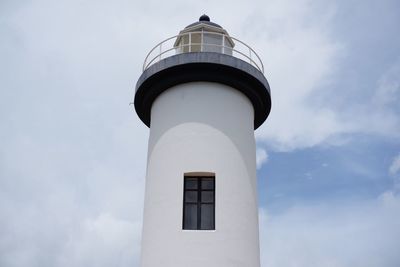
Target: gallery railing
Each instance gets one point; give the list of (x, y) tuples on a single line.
[(203, 41)]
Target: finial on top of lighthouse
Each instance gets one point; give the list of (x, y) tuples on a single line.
[(204, 17)]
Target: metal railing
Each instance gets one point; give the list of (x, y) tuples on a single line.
[(168, 48)]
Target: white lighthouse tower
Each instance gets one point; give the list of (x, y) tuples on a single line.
[(202, 93)]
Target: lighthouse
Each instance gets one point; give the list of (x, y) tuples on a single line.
[(202, 93)]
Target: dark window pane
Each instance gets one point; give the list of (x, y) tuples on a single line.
[(191, 183), (207, 196), (190, 217), (207, 183), (191, 196), (207, 217), (199, 207)]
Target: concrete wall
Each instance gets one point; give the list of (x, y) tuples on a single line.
[(201, 127)]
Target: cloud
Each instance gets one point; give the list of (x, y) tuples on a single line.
[(395, 166), (388, 92), (385, 106), (394, 171), (379, 113), (102, 241), (300, 58), (261, 157), (315, 99), (333, 234), (60, 206), (73, 157)]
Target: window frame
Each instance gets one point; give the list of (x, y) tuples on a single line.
[(199, 202)]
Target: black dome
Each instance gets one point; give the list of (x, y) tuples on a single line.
[(205, 20), (204, 17)]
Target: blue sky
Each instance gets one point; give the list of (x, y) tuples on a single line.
[(320, 174), (73, 155)]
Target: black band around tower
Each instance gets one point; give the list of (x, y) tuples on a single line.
[(207, 67)]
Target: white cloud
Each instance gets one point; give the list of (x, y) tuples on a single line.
[(395, 166), (394, 171), (102, 241), (261, 157), (303, 57), (61, 206), (73, 155), (300, 58), (333, 234), (388, 92), (379, 115)]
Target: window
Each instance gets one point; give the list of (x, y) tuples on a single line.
[(199, 203), (212, 42)]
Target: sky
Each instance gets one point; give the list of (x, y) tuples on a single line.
[(73, 151)]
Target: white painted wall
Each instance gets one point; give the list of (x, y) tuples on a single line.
[(205, 127)]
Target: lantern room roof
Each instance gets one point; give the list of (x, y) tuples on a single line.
[(204, 19)]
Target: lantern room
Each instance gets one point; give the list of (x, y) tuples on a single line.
[(204, 36)]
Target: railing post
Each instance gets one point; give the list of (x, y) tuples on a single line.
[(223, 44), (201, 42), (190, 42), (250, 56)]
